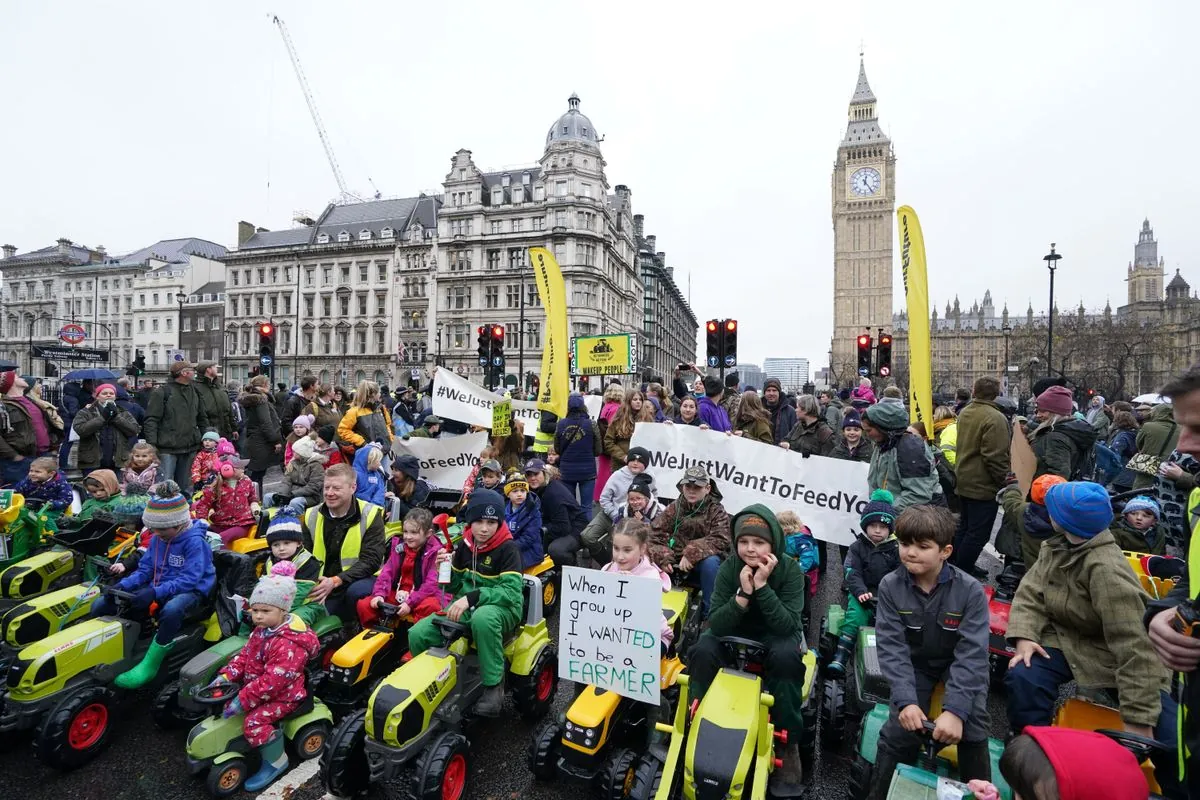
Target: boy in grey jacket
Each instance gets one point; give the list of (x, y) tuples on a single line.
[(931, 626)]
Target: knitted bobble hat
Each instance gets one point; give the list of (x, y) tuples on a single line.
[(879, 509), (284, 527), (277, 589), (167, 507), (1143, 503)]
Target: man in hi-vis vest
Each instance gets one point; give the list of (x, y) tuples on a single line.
[(348, 537)]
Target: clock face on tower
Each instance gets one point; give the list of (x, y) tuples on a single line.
[(865, 182)]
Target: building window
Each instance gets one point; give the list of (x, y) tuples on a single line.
[(234, 275), (128, 329), (360, 342), (585, 189), (458, 297), (309, 277), (214, 322), (344, 277), (460, 261), (516, 258), (170, 324), (324, 342), (141, 301), (199, 323), (517, 225), (364, 235), (323, 238), (362, 273), (259, 305), (274, 275), (344, 306), (381, 272), (539, 193), (560, 219), (154, 326), (326, 306), (512, 294), (491, 297), (584, 294), (306, 340), (533, 336), (458, 335), (380, 341), (344, 236), (381, 303), (496, 226), (141, 326), (326, 276), (560, 188), (387, 233), (589, 255), (538, 223), (362, 304), (104, 305), (274, 305), (308, 306)]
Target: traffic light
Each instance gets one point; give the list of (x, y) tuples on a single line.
[(497, 332), (138, 367), (485, 343), (884, 360), (266, 344), (864, 354), (583, 384), (712, 331), (729, 345)]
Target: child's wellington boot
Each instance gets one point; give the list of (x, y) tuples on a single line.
[(146, 669), (274, 764), (837, 667)]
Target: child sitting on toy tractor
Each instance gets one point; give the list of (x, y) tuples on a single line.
[(523, 516), (409, 577), (104, 492), (692, 534), (286, 541), (871, 558), (1138, 529), (176, 574), (45, 483), (759, 595), (270, 669), (485, 581), (931, 623), (1077, 615)]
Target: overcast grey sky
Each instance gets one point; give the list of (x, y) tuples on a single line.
[(1014, 125)]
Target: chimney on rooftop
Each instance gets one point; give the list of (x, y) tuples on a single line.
[(651, 241), (639, 223), (9, 250), (662, 258), (245, 231), (64, 246)]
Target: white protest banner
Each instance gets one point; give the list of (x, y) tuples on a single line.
[(609, 632), (444, 462), (458, 399), (828, 494)]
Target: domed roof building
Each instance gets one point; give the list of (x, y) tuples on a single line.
[(573, 126)]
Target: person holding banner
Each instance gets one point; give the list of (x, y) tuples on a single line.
[(634, 409), (692, 534), (759, 595)]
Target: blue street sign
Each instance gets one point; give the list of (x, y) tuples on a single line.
[(863, 371), (713, 361), (266, 360), (730, 361)]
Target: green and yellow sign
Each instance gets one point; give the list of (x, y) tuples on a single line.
[(609, 354)]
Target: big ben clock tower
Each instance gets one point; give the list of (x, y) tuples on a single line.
[(864, 209)]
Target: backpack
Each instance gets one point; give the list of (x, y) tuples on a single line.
[(1100, 465)]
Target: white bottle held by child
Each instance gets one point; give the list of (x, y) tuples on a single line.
[(444, 562)]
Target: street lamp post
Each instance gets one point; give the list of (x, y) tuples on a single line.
[(181, 298), (439, 349), (1007, 331), (1051, 260), (343, 329), (32, 322)]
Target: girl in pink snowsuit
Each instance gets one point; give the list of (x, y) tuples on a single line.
[(270, 669)]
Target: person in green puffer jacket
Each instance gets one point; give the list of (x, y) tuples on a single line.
[(760, 595), (1157, 437), (902, 463)]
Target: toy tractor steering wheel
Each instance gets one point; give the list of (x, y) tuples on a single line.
[(120, 594), (34, 504), (741, 652), (387, 610), (216, 695), (450, 630), (1141, 746)]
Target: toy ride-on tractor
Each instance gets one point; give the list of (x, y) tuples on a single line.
[(61, 688), (415, 721), (603, 732), (724, 745), (216, 744), (358, 666), (999, 600), (847, 697), (37, 617), (23, 530), (937, 760)]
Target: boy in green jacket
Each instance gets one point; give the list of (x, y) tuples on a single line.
[(759, 595), (485, 581), (103, 493)]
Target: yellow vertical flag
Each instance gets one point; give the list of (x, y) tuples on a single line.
[(916, 291), (556, 382)]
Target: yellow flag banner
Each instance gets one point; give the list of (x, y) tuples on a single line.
[(916, 291), (556, 381)]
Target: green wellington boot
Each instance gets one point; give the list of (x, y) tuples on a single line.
[(837, 667), (274, 764), (146, 669)]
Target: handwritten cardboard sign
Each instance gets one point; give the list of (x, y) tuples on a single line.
[(501, 413), (608, 634)]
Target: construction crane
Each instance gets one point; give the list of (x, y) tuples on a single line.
[(346, 194)]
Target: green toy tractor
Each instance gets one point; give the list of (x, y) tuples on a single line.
[(60, 688), (724, 745), (918, 782), (845, 699), (216, 743), (415, 721), (23, 528)]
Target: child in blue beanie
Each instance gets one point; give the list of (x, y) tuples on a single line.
[(1077, 615), (1138, 529)]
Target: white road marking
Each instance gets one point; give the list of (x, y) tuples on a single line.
[(291, 780)]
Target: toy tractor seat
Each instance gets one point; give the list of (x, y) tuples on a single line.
[(235, 576), (531, 606)]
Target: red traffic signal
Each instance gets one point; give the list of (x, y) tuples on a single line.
[(712, 326), (266, 329), (864, 341), (885, 339), (731, 324), (498, 331)]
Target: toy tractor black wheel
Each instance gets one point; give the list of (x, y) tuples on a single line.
[(167, 712), (825, 644), (550, 590), (833, 713), (344, 769), (533, 694), (309, 741), (647, 775), (860, 779), (226, 779), (77, 729), (543, 751), (616, 774), (997, 669), (442, 772)]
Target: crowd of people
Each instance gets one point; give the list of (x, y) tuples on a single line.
[(577, 489)]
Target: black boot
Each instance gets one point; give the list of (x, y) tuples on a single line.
[(491, 702), (837, 667), (974, 761), (881, 775)]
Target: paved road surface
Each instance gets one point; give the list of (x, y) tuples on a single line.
[(144, 763)]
